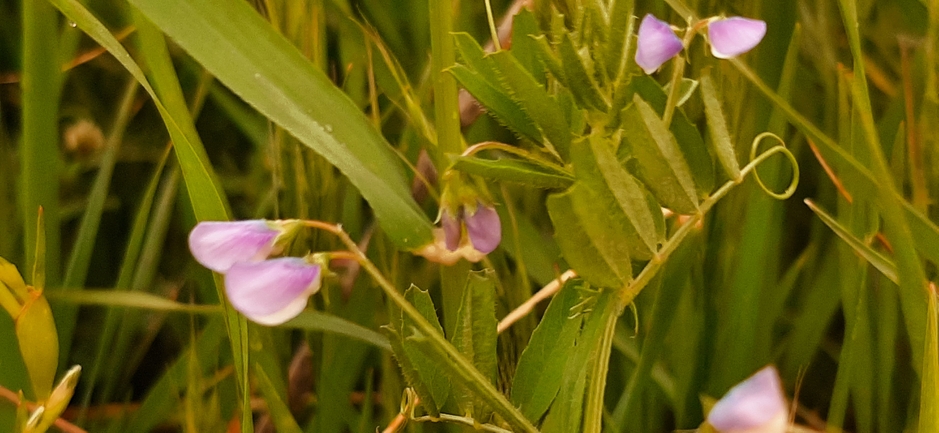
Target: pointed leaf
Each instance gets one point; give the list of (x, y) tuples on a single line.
[(717, 127), (497, 102), (540, 368), (578, 79), (524, 48), (475, 335), (280, 413), (661, 165), (883, 264), (526, 172), (429, 377)]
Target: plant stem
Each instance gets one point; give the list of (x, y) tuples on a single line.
[(475, 380)]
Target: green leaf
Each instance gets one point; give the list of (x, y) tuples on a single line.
[(541, 366), (534, 99), (621, 19), (526, 172), (685, 90), (550, 60), (883, 264), (280, 413), (524, 48), (475, 336), (428, 369), (717, 127), (245, 53), (580, 83), (661, 165), (566, 412), (497, 103), (39, 344), (686, 133), (313, 320)]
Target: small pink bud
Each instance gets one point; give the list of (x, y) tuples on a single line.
[(484, 228), (731, 37), (756, 405), (656, 44), (218, 245), (272, 291)]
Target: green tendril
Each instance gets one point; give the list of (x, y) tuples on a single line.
[(757, 160)]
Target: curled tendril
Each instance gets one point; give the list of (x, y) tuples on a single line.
[(757, 160)]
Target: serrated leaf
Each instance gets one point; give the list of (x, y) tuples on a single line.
[(475, 336), (497, 102), (526, 172), (541, 366), (566, 412), (686, 133), (883, 264), (245, 53), (534, 99), (717, 127), (524, 48), (428, 374), (579, 82), (550, 60), (661, 165)]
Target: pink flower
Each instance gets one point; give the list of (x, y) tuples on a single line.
[(482, 227), (656, 44), (756, 405), (218, 245), (271, 292), (731, 37)]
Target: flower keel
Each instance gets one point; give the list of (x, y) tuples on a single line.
[(756, 405)]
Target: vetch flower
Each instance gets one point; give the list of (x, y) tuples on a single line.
[(218, 245), (656, 44), (756, 405), (271, 292), (731, 37), (483, 227)]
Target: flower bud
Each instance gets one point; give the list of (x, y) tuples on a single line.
[(756, 405), (272, 291), (218, 245), (656, 44), (731, 37), (39, 343)]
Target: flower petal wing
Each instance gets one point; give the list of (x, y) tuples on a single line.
[(218, 245), (656, 44), (731, 37), (754, 405)]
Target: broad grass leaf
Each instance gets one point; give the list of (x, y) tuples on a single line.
[(280, 413), (475, 336), (929, 394), (245, 53), (661, 164), (879, 261), (525, 172), (541, 366)]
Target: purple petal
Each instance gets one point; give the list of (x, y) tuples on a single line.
[(273, 291), (756, 404), (218, 245), (734, 36), (656, 44), (484, 229), (451, 230)]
